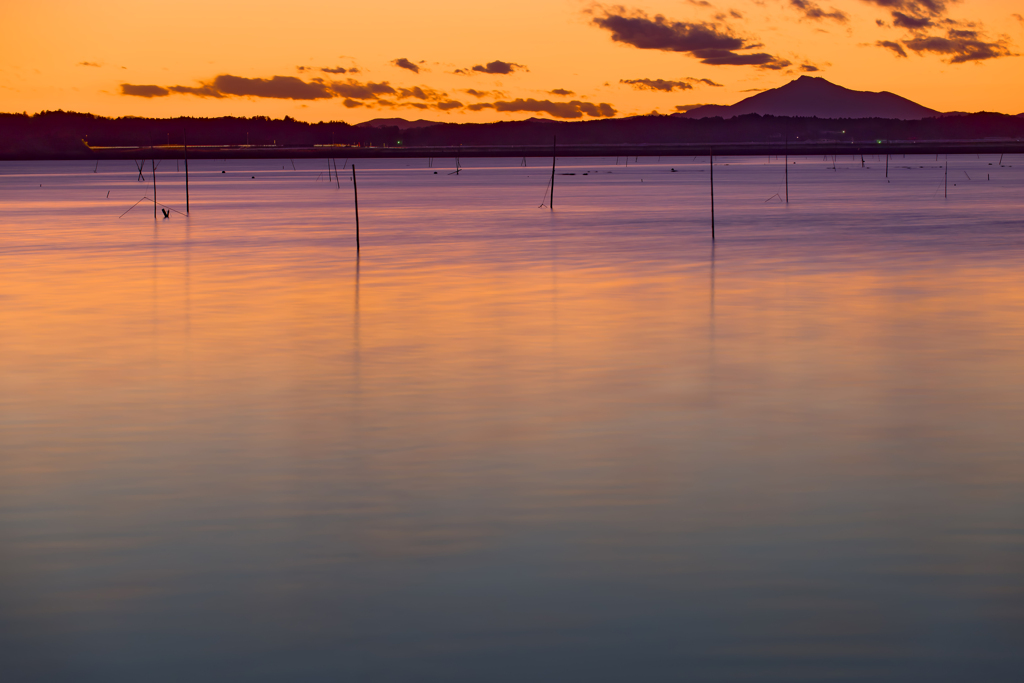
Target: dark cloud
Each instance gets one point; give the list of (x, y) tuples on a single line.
[(688, 107), (201, 91), (404, 63), (809, 68), (702, 40), (422, 94), (668, 86), (483, 93), (561, 91), (727, 57), (496, 67), (355, 90), (916, 7), (895, 47), (961, 46), (88, 64), (906, 21), (1018, 18), (559, 110), (814, 12), (143, 90), (913, 15), (328, 70), (276, 87), (699, 3), (226, 85), (448, 105), (735, 14), (657, 84)]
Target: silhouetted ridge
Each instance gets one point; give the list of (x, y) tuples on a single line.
[(812, 96)]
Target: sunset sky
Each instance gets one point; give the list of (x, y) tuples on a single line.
[(478, 61)]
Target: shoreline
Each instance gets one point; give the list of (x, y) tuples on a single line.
[(509, 151)]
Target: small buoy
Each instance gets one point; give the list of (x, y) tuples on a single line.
[(254, 176), (223, 171), (435, 172)]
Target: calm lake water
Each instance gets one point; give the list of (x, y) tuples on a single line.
[(507, 443)]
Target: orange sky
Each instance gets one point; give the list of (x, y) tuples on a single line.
[(58, 54)]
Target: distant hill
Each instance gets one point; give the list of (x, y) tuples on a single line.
[(400, 124), (815, 97)]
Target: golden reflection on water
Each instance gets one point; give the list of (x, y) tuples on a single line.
[(208, 426)]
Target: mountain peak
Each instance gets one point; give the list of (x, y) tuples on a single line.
[(815, 96)]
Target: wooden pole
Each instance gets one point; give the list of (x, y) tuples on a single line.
[(711, 161), (886, 165), (153, 162), (554, 154), (355, 193), (787, 169), (184, 142), (328, 169), (945, 179), (337, 180)]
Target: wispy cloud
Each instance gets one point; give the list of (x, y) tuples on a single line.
[(668, 86), (894, 46), (561, 110), (143, 90), (960, 46), (403, 63), (705, 41), (353, 93), (496, 67), (813, 11)]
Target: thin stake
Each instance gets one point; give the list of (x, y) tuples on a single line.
[(945, 179), (153, 161), (336, 179), (355, 194), (328, 169), (1000, 159), (886, 165), (554, 155), (184, 142), (711, 163), (787, 169)]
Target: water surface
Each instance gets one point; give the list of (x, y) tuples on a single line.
[(507, 443)]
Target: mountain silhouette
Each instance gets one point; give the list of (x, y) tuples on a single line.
[(815, 97), (400, 124)]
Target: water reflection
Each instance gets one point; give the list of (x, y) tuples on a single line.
[(527, 445)]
